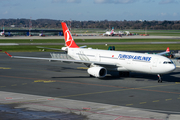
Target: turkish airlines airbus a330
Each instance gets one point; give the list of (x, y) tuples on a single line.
[(101, 62)]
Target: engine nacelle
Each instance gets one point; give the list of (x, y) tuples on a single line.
[(98, 72)]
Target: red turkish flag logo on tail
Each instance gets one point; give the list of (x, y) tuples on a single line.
[(68, 37)]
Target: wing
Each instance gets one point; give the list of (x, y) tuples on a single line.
[(56, 48), (49, 48), (167, 51), (88, 63)]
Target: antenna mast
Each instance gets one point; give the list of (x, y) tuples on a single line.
[(30, 26)]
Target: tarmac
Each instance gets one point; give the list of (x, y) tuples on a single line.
[(26, 107), (33, 89)]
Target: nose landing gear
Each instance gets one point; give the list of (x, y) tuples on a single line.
[(160, 80)]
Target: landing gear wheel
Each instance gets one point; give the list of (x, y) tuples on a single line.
[(91, 76), (159, 81), (123, 74)]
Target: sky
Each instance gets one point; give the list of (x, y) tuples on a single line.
[(96, 10)]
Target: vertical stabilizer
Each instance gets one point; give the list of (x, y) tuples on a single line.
[(112, 31), (167, 50), (68, 37), (2, 33)]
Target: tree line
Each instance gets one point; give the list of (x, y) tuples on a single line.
[(105, 24)]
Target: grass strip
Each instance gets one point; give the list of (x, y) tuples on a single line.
[(85, 40), (148, 47)]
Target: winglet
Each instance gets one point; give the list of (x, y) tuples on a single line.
[(68, 37), (8, 54), (167, 50)]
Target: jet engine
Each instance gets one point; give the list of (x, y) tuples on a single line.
[(98, 72)]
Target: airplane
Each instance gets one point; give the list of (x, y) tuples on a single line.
[(109, 33), (2, 33), (101, 62), (42, 35)]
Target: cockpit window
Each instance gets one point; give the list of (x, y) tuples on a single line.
[(167, 62)]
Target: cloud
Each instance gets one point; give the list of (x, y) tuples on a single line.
[(163, 14), (133, 1), (168, 1), (102, 1), (6, 12), (66, 1), (148, 1), (115, 1), (125, 1), (175, 14)]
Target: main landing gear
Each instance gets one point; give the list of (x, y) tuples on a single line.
[(124, 74), (160, 80)]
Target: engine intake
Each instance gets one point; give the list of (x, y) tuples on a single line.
[(98, 72)]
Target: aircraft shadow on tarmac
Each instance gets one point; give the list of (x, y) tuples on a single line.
[(136, 76), (170, 78), (166, 78), (72, 77), (55, 69)]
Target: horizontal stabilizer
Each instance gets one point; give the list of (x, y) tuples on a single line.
[(163, 53), (49, 48)]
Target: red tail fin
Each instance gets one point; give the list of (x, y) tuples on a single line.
[(68, 37), (167, 50)]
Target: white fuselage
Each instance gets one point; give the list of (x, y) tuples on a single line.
[(2, 33), (108, 33), (125, 61)]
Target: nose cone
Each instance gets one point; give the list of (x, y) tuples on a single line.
[(171, 68)]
